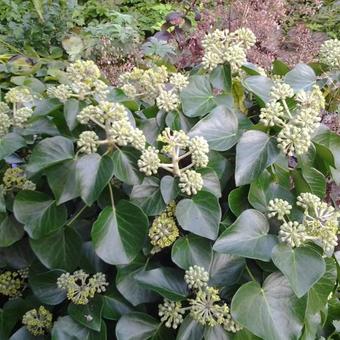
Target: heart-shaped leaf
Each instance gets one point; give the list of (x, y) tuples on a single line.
[(248, 237), (118, 235), (219, 128), (38, 213), (254, 152), (190, 329), (201, 214), (10, 231), (293, 263), (167, 282), (259, 85), (271, 311), (94, 173), (10, 143), (301, 77)]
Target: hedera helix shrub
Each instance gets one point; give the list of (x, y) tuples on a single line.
[(177, 205)]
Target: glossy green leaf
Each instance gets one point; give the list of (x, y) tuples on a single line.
[(88, 315), (10, 231), (271, 311), (259, 85), (301, 77), (94, 173), (65, 328), (44, 287), (219, 128), (125, 166), (23, 334), (167, 282), (10, 143), (254, 153), (190, 329), (248, 237), (148, 196), (50, 151), (58, 250), (38, 213), (217, 332), (63, 181), (169, 188), (237, 200), (118, 235), (211, 182), (197, 98), (220, 77), (191, 250), (293, 263), (115, 306), (71, 109), (200, 215)]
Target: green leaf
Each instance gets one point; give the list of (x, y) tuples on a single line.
[(248, 237), (167, 282), (47, 106), (191, 250), (50, 151), (280, 68), (115, 306), (169, 188), (136, 326), (216, 332), (219, 128), (10, 143), (65, 328), (118, 235), (148, 196), (237, 200), (197, 98), (315, 180), (190, 329), (319, 293), (254, 153), (89, 315), (259, 85), (59, 250), (211, 182), (125, 166), (44, 286), (10, 231), (38, 213), (129, 287), (71, 109), (264, 189), (23, 334), (94, 173), (301, 77), (200, 215), (271, 311), (220, 77), (293, 263)]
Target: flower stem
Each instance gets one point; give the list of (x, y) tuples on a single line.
[(111, 197), (250, 273), (286, 108), (76, 215)]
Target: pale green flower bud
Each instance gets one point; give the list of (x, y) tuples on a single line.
[(113, 111), (88, 142), (21, 117), (138, 139), (18, 95), (149, 161), (330, 53), (272, 114), (91, 111), (167, 100), (179, 81), (121, 132), (173, 139), (38, 322), (199, 149), (281, 91), (294, 140), (196, 277), (246, 37), (279, 207), (307, 200), (191, 182), (15, 179), (236, 56), (61, 92), (292, 233), (171, 313), (5, 124), (4, 108), (129, 90), (11, 284)]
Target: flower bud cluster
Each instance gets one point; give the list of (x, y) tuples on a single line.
[(320, 222), (164, 231), (154, 85), (81, 287), (38, 321), (224, 46), (12, 283), (18, 115), (298, 128), (206, 307), (177, 145), (81, 80), (114, 119), (330, 53), (15, 179)]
